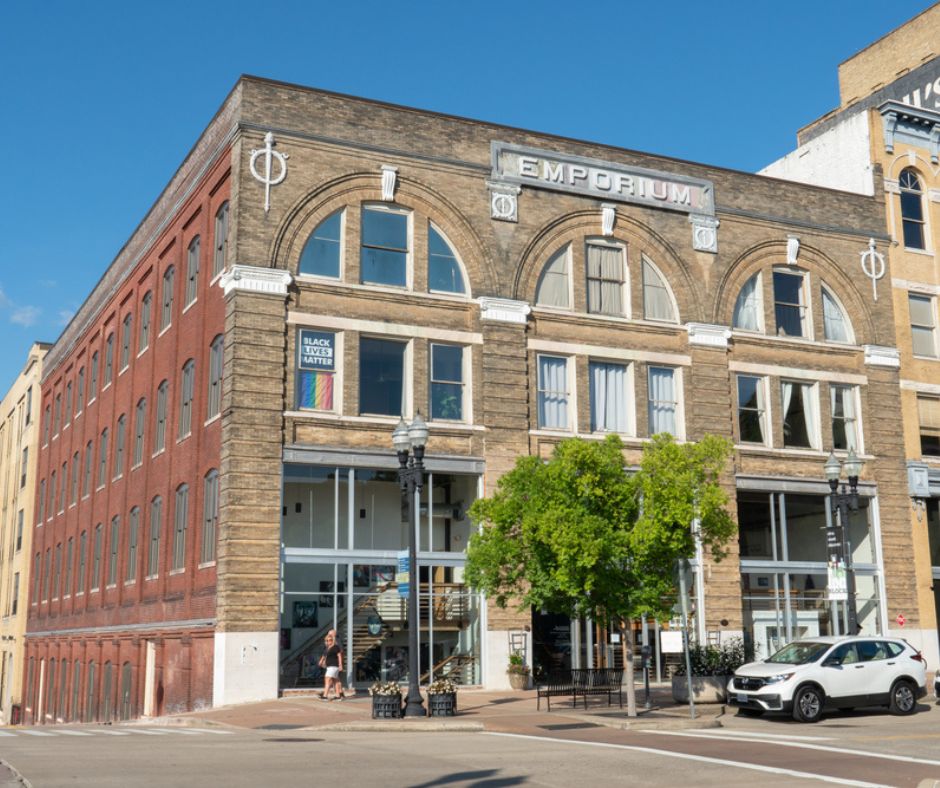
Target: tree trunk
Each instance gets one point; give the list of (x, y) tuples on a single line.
[(626, 644)]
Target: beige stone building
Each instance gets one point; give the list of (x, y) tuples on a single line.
[(19, 441), (884, 140)]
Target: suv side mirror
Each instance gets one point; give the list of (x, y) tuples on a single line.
[(831, 662)]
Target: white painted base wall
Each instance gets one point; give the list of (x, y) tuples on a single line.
[(245, 667), (496, 657), (925, 641)]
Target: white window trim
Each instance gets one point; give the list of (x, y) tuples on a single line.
[(677, 319), (910, 322), (466, 294), (807, 319), (626, 295), (407, 394), (815, 441), (859, 427), (190, 305), (631, 396), (409, 257), (678, 379), (339, 340), (341, 274), (466, 391), (850, 329), (572, 392), (767, 418)]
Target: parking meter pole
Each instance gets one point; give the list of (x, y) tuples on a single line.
[(685, 636)]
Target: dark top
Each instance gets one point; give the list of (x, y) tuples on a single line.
[(332, 655)]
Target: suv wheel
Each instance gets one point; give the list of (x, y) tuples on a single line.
[(808, 704), (903, 699)]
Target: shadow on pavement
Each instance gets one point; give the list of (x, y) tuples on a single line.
[(482, 779)]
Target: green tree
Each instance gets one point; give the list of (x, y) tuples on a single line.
[(582, 536)]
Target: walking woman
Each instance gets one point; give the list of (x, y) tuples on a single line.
[(332, 661)]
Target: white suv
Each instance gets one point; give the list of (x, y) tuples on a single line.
[(808, 676)]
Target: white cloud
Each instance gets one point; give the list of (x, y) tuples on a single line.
[(25, 316)]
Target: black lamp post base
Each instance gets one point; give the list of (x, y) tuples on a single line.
[(414, 707)]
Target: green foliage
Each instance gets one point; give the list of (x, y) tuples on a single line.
[(579, 534), (720, 660), (517, 663)]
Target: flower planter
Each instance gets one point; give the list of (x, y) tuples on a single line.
[(386, 707), (518, 681), (705, 689), (442, 704)]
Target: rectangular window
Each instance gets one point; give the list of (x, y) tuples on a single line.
[(752, 412), (221, 240), (46, 422), (119, 440), (37, 560), (553, 393), (46, 574), (316, 369), (113, 554), (140, 425), (180, 524), (108, 360), (53, 495), (928, 409), (86, 478), (192, 271), (210, 517), (384, 254), (63, 490), (143, 335), (96, 559), (73, 492), (82, 562), (58, 415), (133, 526), (611, 403), (381, 376), (166, 312), (68, 402), (24, 466), (42, 501), (103, 459), (663, 400), (14, 606), (126, 340), (57, 577), (186, 400), (69, 557), (845, 431), (790, 304), (80, 392), (19, 530), (159, 434), (799, 415), (923, 325), (153, 552), (93, 377), (214, 400), (28, 415), (605, 280), (447, 383)]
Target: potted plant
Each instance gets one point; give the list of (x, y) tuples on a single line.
[(386, 700), (442, 698), (518, 671), (712, 668)]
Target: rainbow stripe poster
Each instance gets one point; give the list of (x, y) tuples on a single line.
[(316, 390)]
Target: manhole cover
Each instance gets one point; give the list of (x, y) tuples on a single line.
[(278, 726), (570, 726)]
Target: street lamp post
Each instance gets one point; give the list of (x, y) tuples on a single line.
[(842, 502), (412, 437)]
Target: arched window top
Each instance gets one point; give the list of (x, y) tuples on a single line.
[(554, 287), (659, 303), (748, 308), (322, 251), (912, 208), (445, 273), (836, 325)]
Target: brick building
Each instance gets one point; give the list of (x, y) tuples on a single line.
[(19, 444), (515, 288), (884, 140)]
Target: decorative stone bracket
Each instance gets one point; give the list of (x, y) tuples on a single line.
[(608, 218), (504, 310), (268, 281), (389, 181), (707, 335), (881, 356)]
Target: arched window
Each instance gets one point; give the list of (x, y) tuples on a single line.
[(748, 309), (91, 699), (221, 240), (658, 303), (210, 516), (166, 308), (186, 399), (554, 284), (321, 253), (444, 274), (153, 547), (159, 432), (143, 337), (180, 526), (192, 271), (133, 529), (836, 326), (912, 209), (215, 378)]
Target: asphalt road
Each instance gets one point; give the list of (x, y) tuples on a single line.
[(860, 748)]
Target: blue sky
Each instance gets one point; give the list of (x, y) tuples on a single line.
[(100, 101)]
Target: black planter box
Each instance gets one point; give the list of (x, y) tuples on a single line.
[(442, 705), (386, 707)]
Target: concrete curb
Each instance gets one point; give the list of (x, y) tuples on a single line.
[(422, 726)]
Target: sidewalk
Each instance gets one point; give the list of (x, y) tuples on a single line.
[(478, 710)]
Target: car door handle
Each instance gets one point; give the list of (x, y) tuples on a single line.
[(892, 663), (859, 667)]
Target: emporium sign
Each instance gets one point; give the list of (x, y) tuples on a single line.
[(596, 178)]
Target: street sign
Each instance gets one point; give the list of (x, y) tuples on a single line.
[(403, 575), (901, 620)]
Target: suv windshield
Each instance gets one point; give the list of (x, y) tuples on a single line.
[(800, 653)]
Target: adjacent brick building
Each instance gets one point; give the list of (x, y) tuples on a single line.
[(515, 288)]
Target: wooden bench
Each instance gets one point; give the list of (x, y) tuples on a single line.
[(583, 682), (597, 681)]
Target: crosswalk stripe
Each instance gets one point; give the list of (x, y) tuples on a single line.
[(146, 732), (37, 733), (4, 733), (187, 732), (114, 733), (73, 733), (210, 730)]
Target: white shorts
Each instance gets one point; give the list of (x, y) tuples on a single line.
[(332, 673)]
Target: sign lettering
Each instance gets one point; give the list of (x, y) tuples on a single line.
[(596, 178), (317, 350)]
